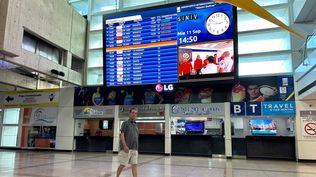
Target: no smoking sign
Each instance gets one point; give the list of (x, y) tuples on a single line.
[(310, 128)]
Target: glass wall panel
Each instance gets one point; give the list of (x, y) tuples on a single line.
[(95, 76), (96, 22), (265, 64), (11, 116), (102, 5), (131, 3), (311, 42), (95, 40), (9, 135), (270, 2), (95, 58), (249, 22), (80, 6), (263, 42)]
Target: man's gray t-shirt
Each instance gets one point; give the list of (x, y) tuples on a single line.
[(130, 130)]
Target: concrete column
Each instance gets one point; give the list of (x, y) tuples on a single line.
[(116, 130), (228, 136), (167, 130)]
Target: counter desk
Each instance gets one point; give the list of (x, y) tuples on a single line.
[(94, 143), (280, 147), (194, 144)]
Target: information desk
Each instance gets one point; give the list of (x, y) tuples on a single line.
[(94, 143), (281, 147), (152, 143), (203, 145)]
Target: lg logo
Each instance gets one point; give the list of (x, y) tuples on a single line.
[(159, 88), (165, 87)]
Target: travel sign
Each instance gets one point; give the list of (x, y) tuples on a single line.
[(272, 108)]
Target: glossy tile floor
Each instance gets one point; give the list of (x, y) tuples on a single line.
[(63, 164)]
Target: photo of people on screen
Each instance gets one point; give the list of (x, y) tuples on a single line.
[(259, 93), (97, 98), (205, 95), (152, 97), (202, 60), (183, 95)]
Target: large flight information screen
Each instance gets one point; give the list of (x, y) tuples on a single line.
[(143, 47)]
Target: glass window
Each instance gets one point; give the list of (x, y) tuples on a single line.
[(248, 22), (29, 43), (95, 76), (311, 42), (270, 2), (131, 3), (9, 135), (96, 23), (95, 58), (95, 40), (102, 5), (265, 64), (77, 64), (11, 116), (267, 41), (80, 6)]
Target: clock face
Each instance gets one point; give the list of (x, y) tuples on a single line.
[(217, 23)]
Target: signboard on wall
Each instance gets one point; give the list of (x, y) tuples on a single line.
[(44, 116), (278, 108), (197, 110), (143, 111), (308, 125), (48, 97), (271, 108), (94, 112)]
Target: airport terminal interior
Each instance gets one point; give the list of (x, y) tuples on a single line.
[(221, 88)]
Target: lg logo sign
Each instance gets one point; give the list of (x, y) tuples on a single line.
[(165, 87)]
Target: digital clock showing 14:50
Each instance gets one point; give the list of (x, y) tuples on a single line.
[(187, 40)]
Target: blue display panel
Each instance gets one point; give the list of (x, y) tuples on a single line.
[(150, 46)]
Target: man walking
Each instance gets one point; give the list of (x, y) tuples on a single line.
[(129, 143)]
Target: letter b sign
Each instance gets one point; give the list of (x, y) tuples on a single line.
[(237, 109)]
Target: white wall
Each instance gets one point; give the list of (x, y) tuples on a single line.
[(305, 148)]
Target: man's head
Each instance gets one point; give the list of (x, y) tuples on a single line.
[(210, 59), (253, 91), (133, 113)]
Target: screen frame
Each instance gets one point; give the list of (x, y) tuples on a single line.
[(195, 122), (253, 132), (214, 77)]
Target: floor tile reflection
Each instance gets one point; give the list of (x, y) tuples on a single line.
[(60, 164)]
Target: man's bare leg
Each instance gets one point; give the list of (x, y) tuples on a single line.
[(119, 170), (134, 170)]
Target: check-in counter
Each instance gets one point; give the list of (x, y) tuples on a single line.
[(94, 143), (152, 143), (280, 147), (201, 145)]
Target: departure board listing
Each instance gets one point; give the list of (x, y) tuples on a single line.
[(180, 42)]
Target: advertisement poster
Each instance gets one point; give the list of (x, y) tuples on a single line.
[(44, 116), (258, 89), (255, 89), (308, 125)]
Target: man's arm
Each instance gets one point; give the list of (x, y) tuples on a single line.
[(122, 138)]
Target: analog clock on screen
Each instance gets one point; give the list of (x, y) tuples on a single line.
[(217, 23)]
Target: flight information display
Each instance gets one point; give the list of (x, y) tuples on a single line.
[(151, 46)]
